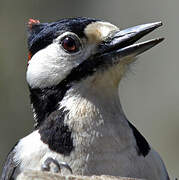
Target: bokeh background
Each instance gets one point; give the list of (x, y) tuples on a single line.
[(149, 92)]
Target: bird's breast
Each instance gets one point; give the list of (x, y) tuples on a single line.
[(99, 136)]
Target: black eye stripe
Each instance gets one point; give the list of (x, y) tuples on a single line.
[(41, 43), (44, 34)]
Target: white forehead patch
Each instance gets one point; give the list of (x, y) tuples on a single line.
[(98, 31)]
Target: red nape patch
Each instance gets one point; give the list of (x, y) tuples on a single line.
[(29, 56), (32, 22)]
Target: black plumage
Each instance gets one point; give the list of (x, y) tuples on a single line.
[(42, 34), (56, 134)]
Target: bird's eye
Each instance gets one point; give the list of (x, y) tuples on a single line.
[(70, 44)]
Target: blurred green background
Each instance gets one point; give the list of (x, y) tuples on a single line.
[(149, 92)]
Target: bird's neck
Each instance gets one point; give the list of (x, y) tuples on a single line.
[(98, 113), (85, 120), (81, 102), (85, 105), (97, 123), (95, 114)]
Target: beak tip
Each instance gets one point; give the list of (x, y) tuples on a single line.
[(160, 39), (159, 23), (144, 46), (152, 26)]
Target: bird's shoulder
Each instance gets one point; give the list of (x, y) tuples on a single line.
[(143, 147), (9, 165)]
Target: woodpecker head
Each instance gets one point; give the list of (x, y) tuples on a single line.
[(81, 45), (72, 51)]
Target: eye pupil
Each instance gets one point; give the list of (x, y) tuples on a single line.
[(69, 44)]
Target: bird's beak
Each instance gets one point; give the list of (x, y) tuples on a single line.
[(120, 44), (116, 47)]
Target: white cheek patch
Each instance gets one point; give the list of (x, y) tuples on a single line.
[(49, 66), (52, 64), (98, 31)]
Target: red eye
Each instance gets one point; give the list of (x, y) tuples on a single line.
[(70, 44)]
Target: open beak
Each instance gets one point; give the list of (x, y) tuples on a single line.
[(120, 44)]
